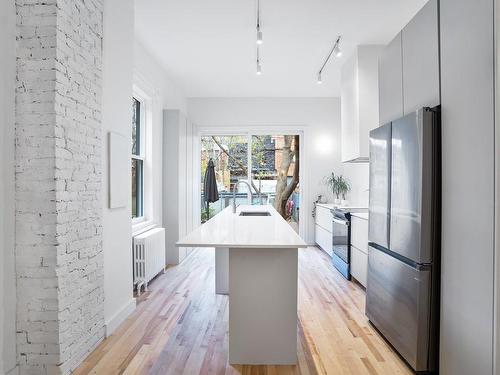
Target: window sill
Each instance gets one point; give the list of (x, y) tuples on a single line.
[(142, 226)]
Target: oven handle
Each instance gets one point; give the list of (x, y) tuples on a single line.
[(341, 222)]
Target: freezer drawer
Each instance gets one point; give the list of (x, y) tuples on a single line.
[(380, 185), (398, 303)]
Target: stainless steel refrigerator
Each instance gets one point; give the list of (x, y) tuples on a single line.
[(402, 296)]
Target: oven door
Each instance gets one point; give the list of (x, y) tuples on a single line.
[(341, 241)]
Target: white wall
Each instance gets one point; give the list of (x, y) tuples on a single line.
[(151, 78), (467, 97), (170, 95), (117, 117), (128, 64), (319, 116), (7, 271), (358, 175)]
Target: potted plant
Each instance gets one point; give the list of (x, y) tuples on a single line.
[(332, 181), (344, 187)]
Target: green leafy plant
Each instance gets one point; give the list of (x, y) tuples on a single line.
[(332, 182), (204, 216), (343, 186), (338, 185)]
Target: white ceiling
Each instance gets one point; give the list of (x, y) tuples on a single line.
[(208, 46)]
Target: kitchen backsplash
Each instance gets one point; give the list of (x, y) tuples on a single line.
[(358, 175)]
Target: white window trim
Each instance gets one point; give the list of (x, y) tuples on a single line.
[(141, 156), (139, 224)]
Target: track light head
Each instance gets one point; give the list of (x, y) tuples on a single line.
[(259, 69), (259, 37), (337, 51), (320, 81)]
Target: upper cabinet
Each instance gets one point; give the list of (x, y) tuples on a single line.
[(391, 82), (359, 102), (409, 67), (421, 59)]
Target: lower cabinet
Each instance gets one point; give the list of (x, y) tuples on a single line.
[(324, 239), (359, 249), (359, 265)]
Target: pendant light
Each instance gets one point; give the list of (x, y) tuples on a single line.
[(259, 32)]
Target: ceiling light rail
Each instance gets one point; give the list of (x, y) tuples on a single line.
[(336, 51), (259, 31)]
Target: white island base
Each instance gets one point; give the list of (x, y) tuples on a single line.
[(256, 264), (263, 306)]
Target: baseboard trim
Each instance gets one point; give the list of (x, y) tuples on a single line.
[(112, 324)]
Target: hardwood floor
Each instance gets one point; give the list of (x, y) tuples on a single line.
[(180, 327)]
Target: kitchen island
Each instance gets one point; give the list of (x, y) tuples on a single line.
[(256, 264)]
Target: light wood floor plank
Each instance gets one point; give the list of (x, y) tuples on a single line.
[(180, 327)]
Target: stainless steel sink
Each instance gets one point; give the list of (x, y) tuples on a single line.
[(254, 213)]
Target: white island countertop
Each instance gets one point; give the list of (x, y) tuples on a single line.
[(230, 230)]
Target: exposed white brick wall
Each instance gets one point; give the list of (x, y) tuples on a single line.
[(59, 260)]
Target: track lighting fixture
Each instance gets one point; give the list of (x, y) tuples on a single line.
[(336, 51), (259, 32)]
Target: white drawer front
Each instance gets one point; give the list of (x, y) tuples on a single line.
[(324, 218), (359, 265), (324, 239), (359, 233)]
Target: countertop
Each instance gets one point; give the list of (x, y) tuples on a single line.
[(361, 215), (331, 206), (231, 230)]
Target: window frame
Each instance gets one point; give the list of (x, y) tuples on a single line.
[(141, 155)]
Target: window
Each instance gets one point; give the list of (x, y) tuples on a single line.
[(137, 159)]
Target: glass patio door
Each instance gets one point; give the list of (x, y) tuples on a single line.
[(273, 171)]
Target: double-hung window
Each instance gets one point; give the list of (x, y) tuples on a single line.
[(137, 158)]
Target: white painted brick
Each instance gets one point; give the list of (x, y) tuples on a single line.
[(58, 183)]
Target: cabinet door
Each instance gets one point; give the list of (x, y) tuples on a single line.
[(391, 82), (349, 109), (324, 218), (420, 41), (359, 233), (323, 239), (359, 265)]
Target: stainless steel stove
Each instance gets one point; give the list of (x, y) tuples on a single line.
[(341, 233)]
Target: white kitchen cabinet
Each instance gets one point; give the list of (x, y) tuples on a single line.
[(359, 265), (177, 183), (420, 51), (359, 233), (359, 102), (323, 229), (409, 67), (359, 249), (323, 239), (324, 217), (390, 72)]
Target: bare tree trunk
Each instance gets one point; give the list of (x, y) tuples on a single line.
[(240, 165), (283, 189)]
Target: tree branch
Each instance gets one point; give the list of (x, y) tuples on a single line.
[(240, 165)]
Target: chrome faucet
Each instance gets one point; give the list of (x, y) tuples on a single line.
[(234, 193)]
